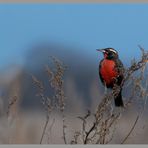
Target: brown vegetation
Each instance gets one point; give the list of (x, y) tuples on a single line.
[(104, 120), (98, 126)]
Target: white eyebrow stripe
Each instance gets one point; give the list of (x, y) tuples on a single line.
[(112, 50)]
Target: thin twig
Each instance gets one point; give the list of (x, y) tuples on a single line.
[(89, 132), (131, 130), (64, 127), (104, 132), (50, 129), (84, 133), (44, 129)]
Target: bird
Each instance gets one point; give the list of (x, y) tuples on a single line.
[(111, 71)]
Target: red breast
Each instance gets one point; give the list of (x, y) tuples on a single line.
[(108, 71)]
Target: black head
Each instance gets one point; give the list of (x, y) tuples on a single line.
[(109, 53)]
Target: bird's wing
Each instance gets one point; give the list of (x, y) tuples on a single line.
[(101, 78), (120, 66), (120, 69)]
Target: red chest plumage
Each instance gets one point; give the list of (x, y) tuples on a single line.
[(108, 71)]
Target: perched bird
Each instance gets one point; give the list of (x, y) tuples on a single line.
[(111, 71)]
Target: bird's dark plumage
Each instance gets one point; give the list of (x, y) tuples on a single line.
[(111, 71)]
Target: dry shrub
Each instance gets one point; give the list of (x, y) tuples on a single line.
[(57, 101), (105, 118)]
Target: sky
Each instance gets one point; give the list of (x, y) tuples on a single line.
[(90, 26)]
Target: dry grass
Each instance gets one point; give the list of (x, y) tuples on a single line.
[(104, 120), (105, 117), (57, 101), (98, 126)]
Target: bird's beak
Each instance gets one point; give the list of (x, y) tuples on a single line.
[(101, 50)]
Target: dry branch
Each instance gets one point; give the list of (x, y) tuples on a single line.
[(100, 130), (104, 120), (130, 130), (57, 101)]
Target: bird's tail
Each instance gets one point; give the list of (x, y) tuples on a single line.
[(118, 100)]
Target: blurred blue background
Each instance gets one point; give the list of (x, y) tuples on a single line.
[(84, 27), (30, 33)]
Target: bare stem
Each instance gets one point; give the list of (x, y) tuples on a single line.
[(89, 132), (44, 129), (131, 130), (64, 127)]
